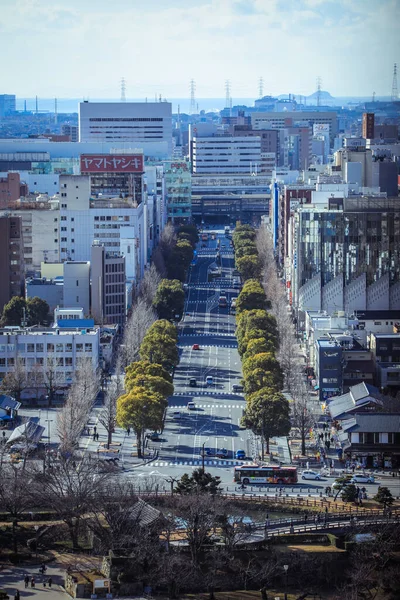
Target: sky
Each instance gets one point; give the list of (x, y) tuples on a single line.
[(82, 48)]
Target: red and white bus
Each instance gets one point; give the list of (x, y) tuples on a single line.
[(254, 474)]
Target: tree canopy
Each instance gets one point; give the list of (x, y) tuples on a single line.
[(144, 367), (36, 311), (249, 267), (251, 297), (199, 482), (268, 363), (169, 299), (161, 349)]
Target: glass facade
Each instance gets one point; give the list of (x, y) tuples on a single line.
[(178, 183)]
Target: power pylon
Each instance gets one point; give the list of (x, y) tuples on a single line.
[(227, 93), (123, 90), (260, 87), (319, 84), (395, 93), (192, 109)]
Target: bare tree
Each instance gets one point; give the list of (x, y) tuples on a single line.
[(115, 389), (16, 381), (302, 417), (149, 284), (14, 499), (52, 377), (142, 316), (167, 240), (73, 416), (197, 513)]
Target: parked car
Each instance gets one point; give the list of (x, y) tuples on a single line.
[(221, 453), (192, 382), (191, 406), (360, 478), (240, 454), (308, 474), (237, 387), (196, 347)]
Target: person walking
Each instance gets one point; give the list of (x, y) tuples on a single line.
[(94, 437), (26, 581), (16, 595), (128, 431), (50, 581), (32, 582), (95, 429), (97, 436)]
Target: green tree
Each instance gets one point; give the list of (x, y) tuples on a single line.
[(190, 231), (141, 409), (258, 379), (258, 346), (163, 327), (144, 367), (341, 483), (199, 482), (251, 297), (245, 249), (169, 299), (256, 319), (249, 267), (156, 384), (161, 349), (268, 363), (384, 496), (179, 260), (253, 334), (267, 414), (349, 493), (38, 310), (13, 311)]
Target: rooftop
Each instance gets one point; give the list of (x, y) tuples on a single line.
[(373, 422)]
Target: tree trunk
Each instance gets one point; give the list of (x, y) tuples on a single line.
[(267, 442), (303, 442), (109, 437), (73, 532), (139, 443), (14, 536)]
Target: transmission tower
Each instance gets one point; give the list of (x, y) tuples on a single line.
[(227, 93), (123, 90), (192, 97), (373, 96), (260, 87), (395, 94), (319, 84)]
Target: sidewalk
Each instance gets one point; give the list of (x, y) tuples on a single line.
[(12, 579)]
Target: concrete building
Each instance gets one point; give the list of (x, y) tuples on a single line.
[(108, 286), (135, 123), (49, 290), (11, 259), (7, 104), (40, 218), (368, 126), (45, 349), (178, 186), (226, 155), (11, 189), (386, 351), (72, 131), (77, 285), (268, 120)]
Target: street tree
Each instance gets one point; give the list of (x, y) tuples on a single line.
[(249, 267), (52, 377), (37, 310), (149, 284), (258, 379), (270, 342), (14, 495), (153, 383), (191, 232), (199, 482), (161, 349), (169, 299), (257, 345), (197, 515), (108, 413), (384, 496), (251, 297), (267, 414), (256, 319), (16, 381), (163, 327), (267, 362), (349, 493), (141, 318), (179, 260), (167, 241), (141, 409), (145, 367), (245, 248), (302, 416), (340, 484)]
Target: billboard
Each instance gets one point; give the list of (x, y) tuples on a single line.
[(112, 163)]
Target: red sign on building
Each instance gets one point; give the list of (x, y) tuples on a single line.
[(112, 163)]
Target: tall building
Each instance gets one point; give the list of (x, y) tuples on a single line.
[(11, 189), (7, 104), (226, 155), (274, 120), (11, 259), (368, 126), (72, 131), (178, 185), (126, 123), (108, 286)]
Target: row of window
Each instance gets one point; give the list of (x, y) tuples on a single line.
[(377, 438), (40, 347), (114, 119)]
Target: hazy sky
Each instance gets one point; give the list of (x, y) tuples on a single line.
[(75, 48)]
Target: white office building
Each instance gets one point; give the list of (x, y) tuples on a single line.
[(226, 154), (135, 123)]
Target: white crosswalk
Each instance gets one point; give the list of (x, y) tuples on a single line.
[(194, 463), (207, 406), (191, 392), (211, 334)]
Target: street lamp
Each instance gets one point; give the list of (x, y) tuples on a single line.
[(286, 568), (36, 540), (202, 456)]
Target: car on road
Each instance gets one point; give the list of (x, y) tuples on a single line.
[(196, 347), (192, 382), (237, 387), (221, 453), (154, 436), (240, 454), (209, 380), (308, 474), (209, 452), (191, 406), (177, 414), (360, 478)]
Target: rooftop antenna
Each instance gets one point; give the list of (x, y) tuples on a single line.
[(192, 109), (260, 87), (55, 111), (159, 98), (227, 93), (37, 105), (395, 94), (373, 96), (123, 90), (319, 83)]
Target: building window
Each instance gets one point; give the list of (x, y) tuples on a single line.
[(88, 347), (50, 347), (39, 347), (68, 361), (68, 347), (63, 218), (2, 362), (30, 347), (60, 348), (10, 362), (79, 347)]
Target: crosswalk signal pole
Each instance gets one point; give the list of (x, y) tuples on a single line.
[(202, 456)]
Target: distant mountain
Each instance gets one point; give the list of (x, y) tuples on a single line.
[(323, 95)]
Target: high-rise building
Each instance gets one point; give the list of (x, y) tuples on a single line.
[(108, 286), (129, 124), (226, 155), (7, 104), (368, 125), (11, 259)]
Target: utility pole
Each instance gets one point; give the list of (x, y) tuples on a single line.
[(202, 456), (192, 109), (395, 94)]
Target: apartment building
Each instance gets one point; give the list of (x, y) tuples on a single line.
[(11, 259), (226, 155), (108, 286)]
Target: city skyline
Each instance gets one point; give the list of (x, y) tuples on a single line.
[(75, 51)]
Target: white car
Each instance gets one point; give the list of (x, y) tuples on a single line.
[(359, 478), (177, 414), (311, 475), (191, 406)]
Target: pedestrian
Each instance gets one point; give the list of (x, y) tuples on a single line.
[(95, 429), (88, 430), (49, 581), (326, 510), (305, 517), (32, 582), (97, 436), (128, 431), (94, 437), (16, 595), (26, 581)]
